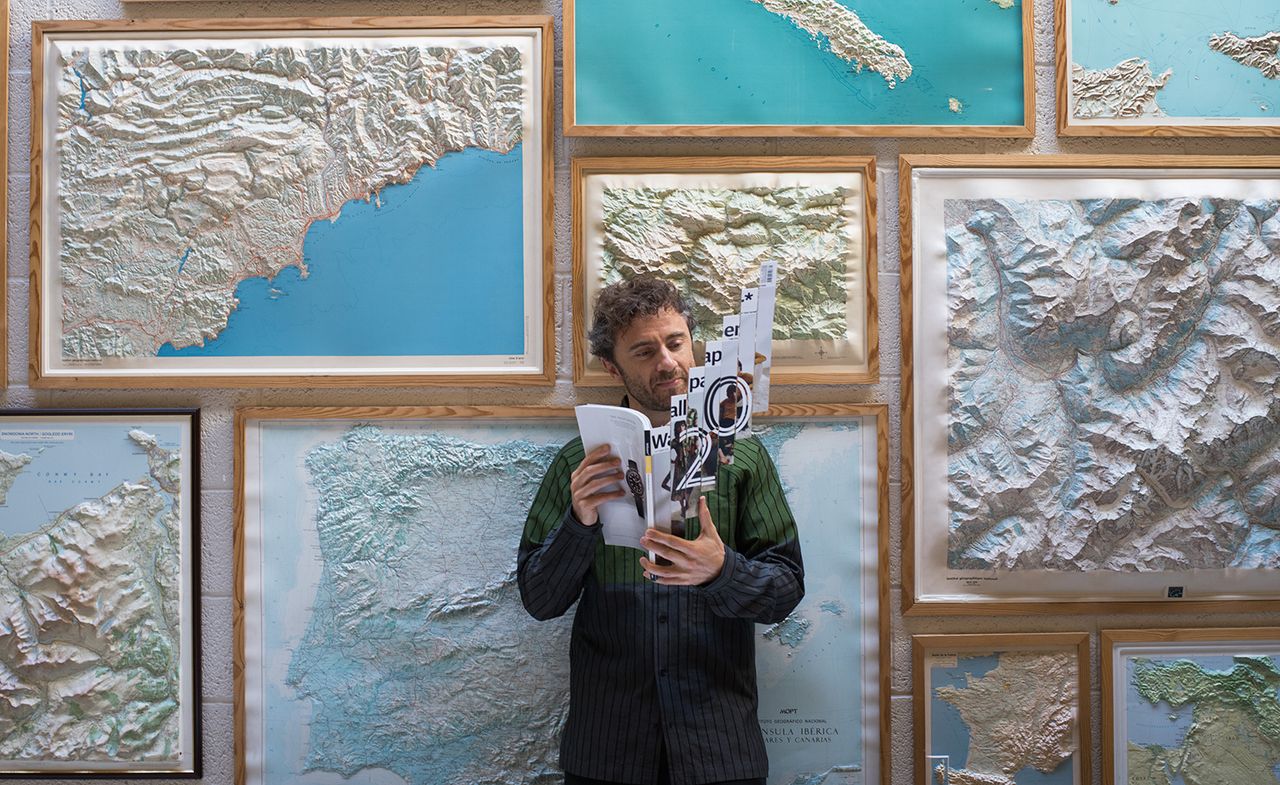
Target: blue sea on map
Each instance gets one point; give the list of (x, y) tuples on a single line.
[(734, 62), (64, 473), (434, 269), (948, 733), (818, 675), (1174, 34)]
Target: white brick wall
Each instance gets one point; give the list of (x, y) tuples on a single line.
[(218, 405)]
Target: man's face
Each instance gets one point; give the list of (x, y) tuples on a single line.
[(652, 358)]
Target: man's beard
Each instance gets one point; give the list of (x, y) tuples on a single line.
[(644, 396)]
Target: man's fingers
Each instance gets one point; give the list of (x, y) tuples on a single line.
[(706, 526), (598, 484)]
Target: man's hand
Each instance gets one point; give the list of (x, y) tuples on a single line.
[(598, 471), (693, 562)]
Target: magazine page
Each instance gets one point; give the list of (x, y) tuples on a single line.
[(626, 432), (722, 411), (742, 328), (766, 296)]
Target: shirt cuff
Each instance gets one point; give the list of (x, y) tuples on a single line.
[(727, 570), (573, 526)]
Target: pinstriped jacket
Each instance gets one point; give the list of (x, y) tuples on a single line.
[(664, 667)]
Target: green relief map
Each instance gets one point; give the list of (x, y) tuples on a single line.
[(1203, 720)]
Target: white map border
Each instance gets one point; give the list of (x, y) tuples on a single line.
[(531, 363), (1065, 22), (1113, 699), (852, 353), (930, 187), (188, 589)]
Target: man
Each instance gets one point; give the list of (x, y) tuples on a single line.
[(662, 655)]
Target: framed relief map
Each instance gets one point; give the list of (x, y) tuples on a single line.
[(1092, 366), (99, 608), (1176, 67), (708, 223), (423, 677), (1191, 705), (274, 202), (1002, 708), (799, 68)]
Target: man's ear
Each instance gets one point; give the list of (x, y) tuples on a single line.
[(612, 369)]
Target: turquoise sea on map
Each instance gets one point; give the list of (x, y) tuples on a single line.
[(430, 267), (726, 62), (810, 677), (1174, 35), (66, 471)]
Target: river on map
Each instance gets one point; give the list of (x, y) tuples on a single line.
[(431, 267)]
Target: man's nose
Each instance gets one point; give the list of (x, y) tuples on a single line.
[(667, 359)]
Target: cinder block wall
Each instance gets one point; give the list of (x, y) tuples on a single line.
[(218, 405)]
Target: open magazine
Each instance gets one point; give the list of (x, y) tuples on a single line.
[(666, 468)]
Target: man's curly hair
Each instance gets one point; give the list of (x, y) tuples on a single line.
[(620, 304)]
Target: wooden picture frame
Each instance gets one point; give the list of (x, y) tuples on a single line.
[(944, 652), (1197, 654), (150, 323), (1142, 75), (4, 205), (105, 594), (930, 585), (662, 85), (854, 355), (532, 426)]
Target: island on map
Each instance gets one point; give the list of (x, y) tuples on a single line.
[(1167, 63), (90, 638), (184, 172), (1261, 52), (845, 35), (1114, 384), (1128, 89), (1018, 715), (712, 240), (1222, 724)]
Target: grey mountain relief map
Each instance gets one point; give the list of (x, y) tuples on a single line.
[(1114, 370)]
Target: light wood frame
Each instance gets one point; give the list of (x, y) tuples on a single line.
[(1025, 131), (4, 201), (922, 646), (588, 374), (544, 115), (1068, 127), (535, 413), (911, 603), (189, 606), (1110, 639)]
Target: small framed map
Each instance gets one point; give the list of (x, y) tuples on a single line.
[(1191, 705), (708, 223), (1002, 708), (379, 620), (100, 606), (317, 202), (1091, 362), (799, 68), (1173, 68)]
